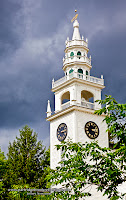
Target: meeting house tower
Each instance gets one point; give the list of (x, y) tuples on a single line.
[(75, 96)]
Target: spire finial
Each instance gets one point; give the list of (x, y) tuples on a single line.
[(75, 17), (48, 109), (76, 34)]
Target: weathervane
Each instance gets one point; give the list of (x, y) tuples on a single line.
[(75, 17)]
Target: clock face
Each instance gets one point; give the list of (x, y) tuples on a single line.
[(91, 130), (62, 132)]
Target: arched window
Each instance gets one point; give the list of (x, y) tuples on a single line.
[(72, 55), (71, 70), (80, 72), (86, 95), (87, 99), (65, 97), (86, 72), (87, 75), (79, 54)]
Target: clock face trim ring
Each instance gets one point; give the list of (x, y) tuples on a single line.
[(62, 132), (91, 130)]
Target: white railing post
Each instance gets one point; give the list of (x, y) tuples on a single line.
[(80, 76), (75, 73), (90, 59), (84, 77), (102, 80)]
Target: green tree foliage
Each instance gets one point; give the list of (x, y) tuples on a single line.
[(26, 165), (2, 170), (2, 164), (86, 165)]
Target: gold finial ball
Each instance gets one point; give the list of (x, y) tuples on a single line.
[(75, 10)]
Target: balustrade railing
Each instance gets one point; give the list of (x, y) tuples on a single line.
[(85, 104), (92, 79), (76, 58), (76, 42), (65, 105), (59, 82)]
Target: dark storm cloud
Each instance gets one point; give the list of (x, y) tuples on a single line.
[(32, 42), (8, 37)]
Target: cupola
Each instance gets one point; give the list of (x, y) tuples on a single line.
[(76, 53), (77, 87)]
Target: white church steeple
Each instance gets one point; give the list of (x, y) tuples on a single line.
[(77, 66), (75, 100), (76, 53)]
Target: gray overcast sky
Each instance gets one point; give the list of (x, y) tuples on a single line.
[(32, 43)]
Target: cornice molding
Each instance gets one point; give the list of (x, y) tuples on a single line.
[(71, 109), (76, 46), (76, 63), (76, 80)]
